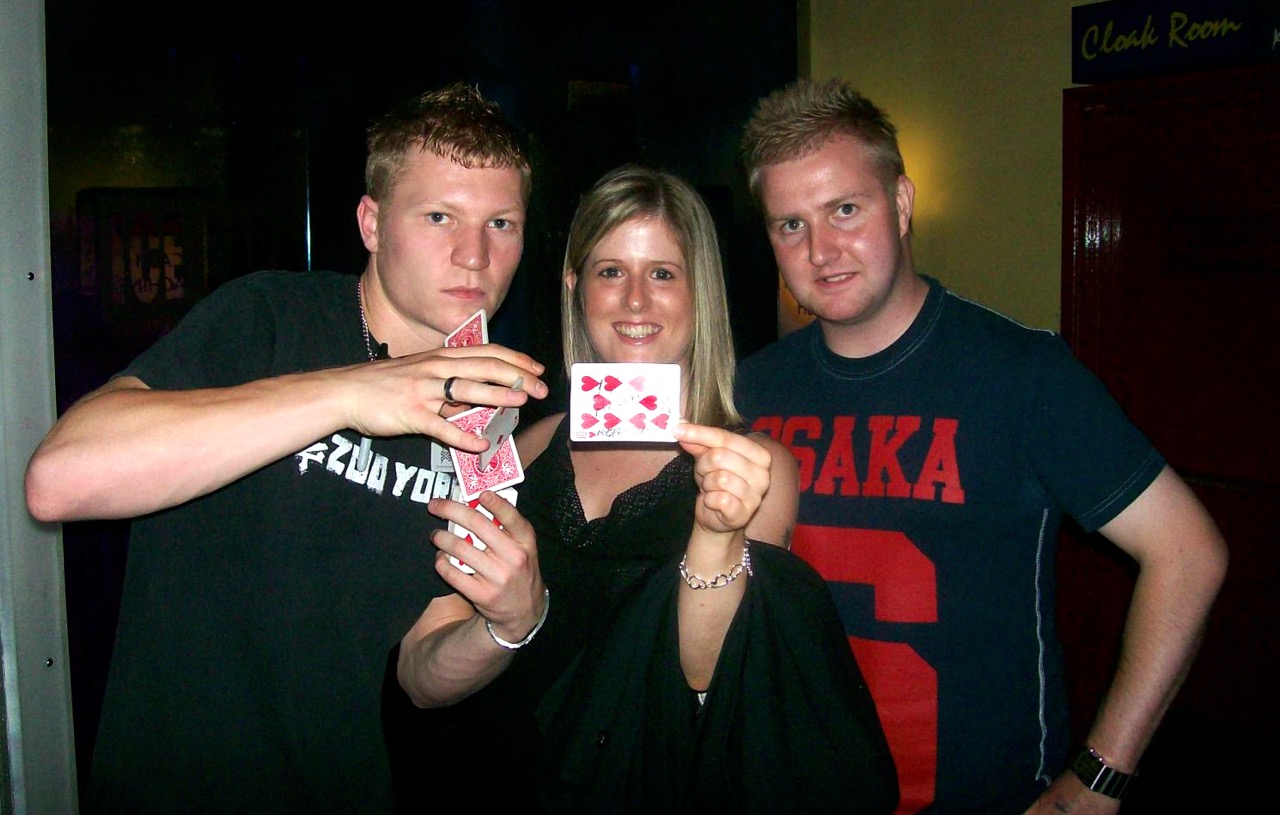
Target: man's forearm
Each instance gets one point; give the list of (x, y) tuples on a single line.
[(1162, 635), (171, 446), (1182, 561), (450, 663)]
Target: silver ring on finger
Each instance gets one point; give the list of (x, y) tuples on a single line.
[(448, 390)]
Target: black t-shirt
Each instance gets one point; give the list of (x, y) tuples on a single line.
[(256, 620), (595, 715), (590, 567)]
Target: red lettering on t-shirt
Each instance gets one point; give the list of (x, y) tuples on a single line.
[(939, 476), (838, 463), (884, 455), (940, 467), (811, 428)]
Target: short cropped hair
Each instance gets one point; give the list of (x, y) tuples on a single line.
[(455, 122), (632, 192), (799, 119)]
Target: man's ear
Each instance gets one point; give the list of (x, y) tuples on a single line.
[(367, 219), (906, 201)]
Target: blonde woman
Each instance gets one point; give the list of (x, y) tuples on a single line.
[(641, 599)]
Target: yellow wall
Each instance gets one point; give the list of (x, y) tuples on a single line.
[(975, 89)]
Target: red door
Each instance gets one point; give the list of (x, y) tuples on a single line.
[(1171, 293)]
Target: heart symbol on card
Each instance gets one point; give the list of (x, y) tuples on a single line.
[(638, 383), (588, 420), (600, 402), (610, 421), (638, 421), (588, 383), (611, 382), (661, 421), (650, 401)]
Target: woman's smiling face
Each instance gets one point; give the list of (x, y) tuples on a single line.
[(636, 294)]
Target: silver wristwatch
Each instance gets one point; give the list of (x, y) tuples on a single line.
[(1099, 776)]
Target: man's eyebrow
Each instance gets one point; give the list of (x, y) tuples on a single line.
[(773, 219), (846, 198)]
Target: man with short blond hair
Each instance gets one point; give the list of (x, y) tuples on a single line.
[(940, 447)]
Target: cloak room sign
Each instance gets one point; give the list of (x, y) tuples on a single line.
[(1123, 39)]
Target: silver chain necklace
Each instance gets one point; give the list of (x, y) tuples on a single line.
[(366, 446), (364, 323)]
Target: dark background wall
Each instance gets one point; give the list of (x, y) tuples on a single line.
[(254, 115)]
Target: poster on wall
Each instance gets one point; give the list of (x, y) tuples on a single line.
[(143, 253)]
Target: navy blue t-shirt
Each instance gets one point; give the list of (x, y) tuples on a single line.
[(934, 476)]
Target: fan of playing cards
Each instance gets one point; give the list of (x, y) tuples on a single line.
[(498, 468)]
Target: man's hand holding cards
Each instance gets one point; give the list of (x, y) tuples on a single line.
[(624, 401)]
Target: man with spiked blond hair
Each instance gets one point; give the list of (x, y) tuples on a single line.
[(276, 454), (940, 447)]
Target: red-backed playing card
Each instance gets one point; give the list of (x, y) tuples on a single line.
[(503, 469), (475, 331), (624, 401)]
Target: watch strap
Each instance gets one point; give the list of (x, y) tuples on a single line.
[(1099, 776)]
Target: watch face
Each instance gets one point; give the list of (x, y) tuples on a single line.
[(1088, 768), (1098, 777)]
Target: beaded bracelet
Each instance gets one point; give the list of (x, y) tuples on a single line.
[(512, 646), (721, 580)]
